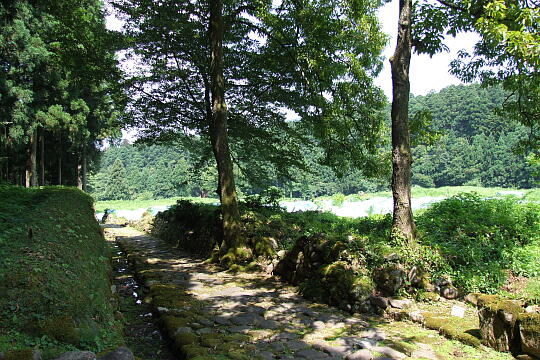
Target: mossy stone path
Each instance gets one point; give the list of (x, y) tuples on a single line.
[(211, 314)]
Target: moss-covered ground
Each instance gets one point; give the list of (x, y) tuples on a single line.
[(55, 268)]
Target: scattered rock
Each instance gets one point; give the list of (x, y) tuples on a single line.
[(78, 355), (388, 351), (416, 316), (266, 355), (332, 350), (122, 353), (363, 354), (532, 309), (449, 292), (295, 345), (379, 301), (400, 304), (310, 354)]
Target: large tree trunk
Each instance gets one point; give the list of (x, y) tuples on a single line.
[(42, 158), (31, 164), (60, 162), (218, 135), (403, 223)]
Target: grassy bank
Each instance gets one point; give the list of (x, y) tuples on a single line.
[(54, 273)]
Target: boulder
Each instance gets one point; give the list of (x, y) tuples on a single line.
[(389, 279), (400, 303), (499, 322), (78, 355), (529, 330), (449, 292), (379, 301), (122, 353)]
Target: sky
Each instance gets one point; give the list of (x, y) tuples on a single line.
[(426, 74)]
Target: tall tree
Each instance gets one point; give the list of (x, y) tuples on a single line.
[(403, 223), (313, 57), (218, 135), (506, 53)]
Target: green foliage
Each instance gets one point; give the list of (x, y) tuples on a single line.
[(477, 145), (54, 273), (338, 199), (479, 237), (59, 81)]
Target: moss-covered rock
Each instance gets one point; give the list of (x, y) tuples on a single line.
[(390, 278), (530, 334), (499, 322), (451, 327)]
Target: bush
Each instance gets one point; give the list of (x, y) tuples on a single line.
[(338, 199), (478, 237)]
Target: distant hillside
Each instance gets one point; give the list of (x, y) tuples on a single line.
[(476, 147)]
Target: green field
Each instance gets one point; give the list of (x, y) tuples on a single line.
[(417, 192)]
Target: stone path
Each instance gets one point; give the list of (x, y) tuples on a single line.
[(211, 314)]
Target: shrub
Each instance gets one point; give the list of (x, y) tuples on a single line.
[(477, 237), (338, 199)]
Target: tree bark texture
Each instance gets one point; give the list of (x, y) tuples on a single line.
[(31, 164), (42, 158), (218, 132), (403, 223)]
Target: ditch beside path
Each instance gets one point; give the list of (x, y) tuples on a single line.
[(211, 314)]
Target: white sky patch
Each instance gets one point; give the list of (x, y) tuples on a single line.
[(426, 74)]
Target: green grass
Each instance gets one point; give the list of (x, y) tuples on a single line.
[(100, 206), (54, 273), (447, 191)]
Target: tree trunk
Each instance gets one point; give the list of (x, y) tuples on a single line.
[(60, 162), (218, 136), (42, 158), (31, 165), (84, 182), (403, 223)]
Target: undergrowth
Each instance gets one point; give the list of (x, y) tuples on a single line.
[(474, 242)]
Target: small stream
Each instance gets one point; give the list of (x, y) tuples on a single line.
[(141, 330)]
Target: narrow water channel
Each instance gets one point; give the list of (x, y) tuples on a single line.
[(141, 329)]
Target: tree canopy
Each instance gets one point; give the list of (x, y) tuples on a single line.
[(58, 86)]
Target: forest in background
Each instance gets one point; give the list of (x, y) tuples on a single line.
[(472, 145), (60, 91)]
